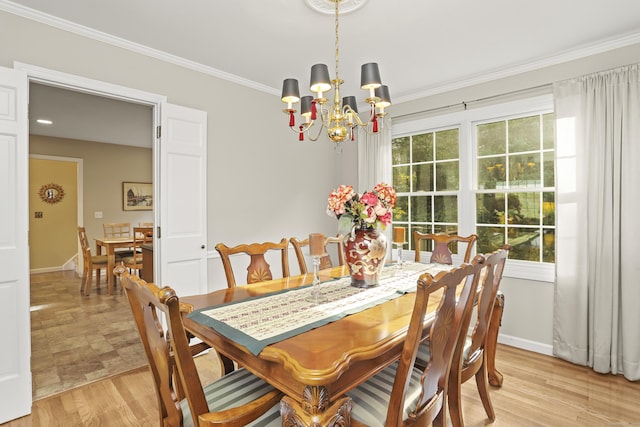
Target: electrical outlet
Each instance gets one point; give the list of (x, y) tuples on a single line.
[(38, 215), (97, 215)]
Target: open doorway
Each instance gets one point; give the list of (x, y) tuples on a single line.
[(76, 339)]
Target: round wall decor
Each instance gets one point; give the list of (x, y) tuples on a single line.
[(51, 193)]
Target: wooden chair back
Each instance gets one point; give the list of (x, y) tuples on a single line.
[(117, 229), (89, 263), (470, 350), (441, 252), (325, 261), (259, 269), (141, 235), (443, 337), (171, 361)]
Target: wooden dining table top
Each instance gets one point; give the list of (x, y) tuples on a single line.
[(333, 358)]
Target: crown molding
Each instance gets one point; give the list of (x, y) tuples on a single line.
[(62, 24), (570, 55), (508, 71)]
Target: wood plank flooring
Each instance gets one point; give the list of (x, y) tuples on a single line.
[(538, 391)]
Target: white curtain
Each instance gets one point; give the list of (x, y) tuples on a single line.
[(597, 298), (374, 157)]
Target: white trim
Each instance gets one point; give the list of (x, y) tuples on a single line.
[(521, 343), (86, 85), (570, 55), (91, 33)]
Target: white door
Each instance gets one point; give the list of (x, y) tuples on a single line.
[(15, 329), (182, 193)]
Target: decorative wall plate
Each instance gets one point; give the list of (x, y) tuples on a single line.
[(51, 193)]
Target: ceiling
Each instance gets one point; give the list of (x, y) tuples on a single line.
[(422, 46)]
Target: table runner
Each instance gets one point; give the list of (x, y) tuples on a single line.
[(258, 322)]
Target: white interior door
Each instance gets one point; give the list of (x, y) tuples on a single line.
[(182, 193), (15, 329)]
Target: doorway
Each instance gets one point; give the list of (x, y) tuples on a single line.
[(94, 336)]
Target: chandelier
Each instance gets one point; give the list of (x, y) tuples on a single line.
[(341, 117)]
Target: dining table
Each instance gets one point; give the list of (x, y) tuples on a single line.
[(315, 353), (110, 244)]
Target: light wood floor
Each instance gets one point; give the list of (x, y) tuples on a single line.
[(538, 390)]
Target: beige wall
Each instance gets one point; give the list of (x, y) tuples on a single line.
[(53, 236), (105, 167), (262, 183)]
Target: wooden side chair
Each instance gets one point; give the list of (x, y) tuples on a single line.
[(141, 235), (470, 358), (442, 245), (90, 263), (402, 394), (184, 401), (325, 261), (118, 229), (258, 270)]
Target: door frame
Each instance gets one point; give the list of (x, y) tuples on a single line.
[(79, 201), (77, 83)]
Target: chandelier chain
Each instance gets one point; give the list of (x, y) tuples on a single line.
[(337, 32)]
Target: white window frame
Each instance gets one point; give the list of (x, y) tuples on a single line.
[(465, 121)]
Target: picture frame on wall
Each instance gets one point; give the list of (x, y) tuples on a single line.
[(137, 196)]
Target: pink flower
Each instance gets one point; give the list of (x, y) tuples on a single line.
[(369, 199), (368, 209)]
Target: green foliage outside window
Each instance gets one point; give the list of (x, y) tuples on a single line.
[(515, 161), (426, 176), (514, 185)]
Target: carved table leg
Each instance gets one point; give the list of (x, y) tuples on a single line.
[(315, 410), (495, 377)]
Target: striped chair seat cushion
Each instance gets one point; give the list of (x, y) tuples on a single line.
[(235, 389), (371, 398)]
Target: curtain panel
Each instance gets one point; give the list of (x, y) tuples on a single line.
[(597, 296)]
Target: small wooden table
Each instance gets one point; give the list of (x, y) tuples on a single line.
[(111, 244), (316, 369)]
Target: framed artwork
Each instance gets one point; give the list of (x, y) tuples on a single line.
[(137, 196)]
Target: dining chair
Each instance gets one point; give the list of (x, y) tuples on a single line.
[(403, 394), (325, 261), (141, 235), (238, 398), (258, 270), (470, 358), (118, 229), (89, 263), (441, 251)]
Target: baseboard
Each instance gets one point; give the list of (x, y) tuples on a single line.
[(524, 344), (46, 269)]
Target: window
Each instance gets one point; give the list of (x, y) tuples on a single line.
[(426, 176), (488, 171), (515, 187)]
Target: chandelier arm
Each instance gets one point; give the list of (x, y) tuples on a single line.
[(356, 117), (315, 138)]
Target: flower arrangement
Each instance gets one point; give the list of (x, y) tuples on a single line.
[(366, 210)]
